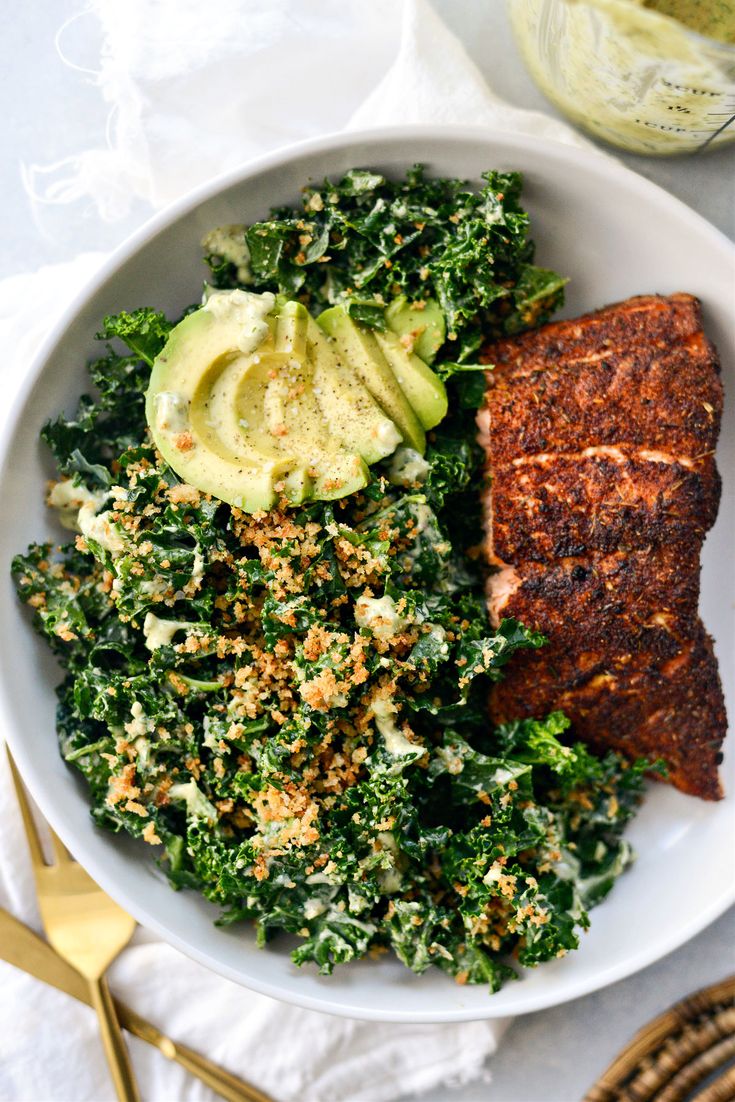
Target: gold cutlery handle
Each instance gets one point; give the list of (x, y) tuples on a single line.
[(220, 1081), (118, 1058), (24, 949)]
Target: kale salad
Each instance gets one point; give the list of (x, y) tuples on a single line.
[(289, 702)]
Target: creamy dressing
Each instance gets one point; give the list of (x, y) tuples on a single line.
[(171, 411), (314, 907), (386, 434), (68, 499), (197, 569), (407, 467), (425, 533), (390, 879), (437, 634), (631, 71), (139, 725), (154, 587), (229, 243), (394, 740), (210, 740), (321, 878), (160, 633), (101, 529), (492, 876), (78, 511), (337, 917), (247, 311), (197, 804), (568, 867), (379, 616)]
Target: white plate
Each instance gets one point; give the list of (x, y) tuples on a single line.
[(615, 235)]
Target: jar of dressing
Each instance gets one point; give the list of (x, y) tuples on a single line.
[(652, 76)]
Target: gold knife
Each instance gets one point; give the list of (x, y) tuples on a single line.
[(24, 949)]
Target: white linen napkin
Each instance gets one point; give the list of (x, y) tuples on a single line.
[(194, 91)]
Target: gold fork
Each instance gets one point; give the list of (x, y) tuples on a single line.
[(24, 949), (87, 929)]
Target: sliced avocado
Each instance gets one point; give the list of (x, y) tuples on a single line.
[(424, 390), (248, 402), (420, 324), (291, 329), (223, 396), (358, 348), (292, 413), (347, 403), (196, 343)]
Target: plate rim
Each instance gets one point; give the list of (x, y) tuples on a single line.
[(597, 162)]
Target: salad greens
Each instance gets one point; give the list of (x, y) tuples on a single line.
[(366, 240), (292, 704)]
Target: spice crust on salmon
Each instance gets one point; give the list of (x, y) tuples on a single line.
[(600, 434)]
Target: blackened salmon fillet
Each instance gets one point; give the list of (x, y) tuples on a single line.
[(600, 434)]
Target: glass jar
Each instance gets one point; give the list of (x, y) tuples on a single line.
[(631, 75)]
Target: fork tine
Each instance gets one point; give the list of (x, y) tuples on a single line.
[(34, 842), (61, 853)]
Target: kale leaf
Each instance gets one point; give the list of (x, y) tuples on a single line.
[(365, 239), (110, 422)]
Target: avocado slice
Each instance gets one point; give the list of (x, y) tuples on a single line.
[(421, 325), (291, 410), (358, 348), (227, 419), (347, 403), (424, 390), (291, 328), (342, 399), (242, 479), (249, 401)]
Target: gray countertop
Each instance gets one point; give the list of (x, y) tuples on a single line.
[(53, 111)]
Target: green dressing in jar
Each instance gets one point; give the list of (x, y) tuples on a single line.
[(636, 73)]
